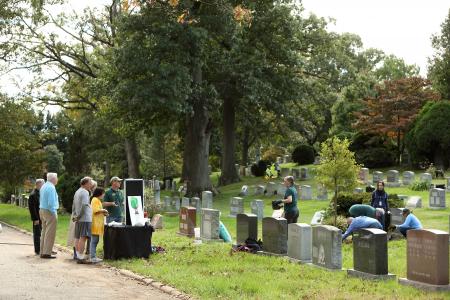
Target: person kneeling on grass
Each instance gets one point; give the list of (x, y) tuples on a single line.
[(359, 223), (98, 222), (411, 222)]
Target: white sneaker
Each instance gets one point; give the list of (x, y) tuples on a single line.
[(96, 260)]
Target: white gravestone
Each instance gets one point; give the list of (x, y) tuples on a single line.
[(300, 242), (236, 206), (306, 192)]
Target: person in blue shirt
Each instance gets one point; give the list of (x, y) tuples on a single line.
[(291, 211), (411, 222), (359, 223), (48, 211)]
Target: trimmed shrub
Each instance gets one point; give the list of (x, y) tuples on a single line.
[(346, 200), (271, 153), (303, 154), (394, 201), (259, 169), (420, 186), (341, 222)]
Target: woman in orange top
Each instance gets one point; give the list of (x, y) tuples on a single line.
[(98, 222)]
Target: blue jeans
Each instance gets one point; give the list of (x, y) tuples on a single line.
[(404, 231), (109, 219), (93, 246)]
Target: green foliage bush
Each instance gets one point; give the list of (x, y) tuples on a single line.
[(420, 186), (259, 169), (372, 151), (66, 187), (341, 222), (271, 153), (346, 200), (303, 154), (394, 201)]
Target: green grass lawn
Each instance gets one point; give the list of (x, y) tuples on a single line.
[(212, 271)]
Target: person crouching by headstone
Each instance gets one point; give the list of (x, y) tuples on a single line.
[(411, 222), (380, 200), (113, 201), (33, 206), (83, 215), (359, 223), (291, 211), (48, 212)]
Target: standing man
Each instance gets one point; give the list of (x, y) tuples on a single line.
[(82, 216), (48, 211), (113, 201), (33, 206)]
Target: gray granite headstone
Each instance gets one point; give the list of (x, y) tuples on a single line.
[(377, 176), (409, 177), (414, 202), (327, 246), (167, 202), (246, 227), (285, 172), (259, 190), (175, 204), (370, 251), (437, 198), (209, 229), (322, 193), (426, 177), (306, 192), (207, 199), (185, 202), (364, 175), (304, 174), (317, 217), (296, 174), (157, 189), (274, 233), (300, 241), (397, 216), (257, 207), (195, 202), (167, 185), (271, 188), (236, 206), (393, 178)]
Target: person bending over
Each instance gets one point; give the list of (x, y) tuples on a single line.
[(359, 223)]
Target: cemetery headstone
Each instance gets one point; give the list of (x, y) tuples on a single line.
[(246, 227), (393, 178), (274, 233), (167, 203), (285, 172), (175, 204), (427, 259), (207, 199), (244, 191), (409, 177), (317, 218), (281, 189), (322, 193), (236, 206), (157, 190), (195, 202), (237, 169), (167, 185), (271, 188), (377, 176), (185, 202), (286, 159), (306, 192), (364, 175), (397, 216), (248, 171), (426, 177), (259, 190), (157, 221), (370, 254), (296, 174), (188, 221), (327, 246), (437, 198), (300, 242), (304, 174), (257, 207), (414, 202), (209, 228)]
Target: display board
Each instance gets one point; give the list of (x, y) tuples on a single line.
[(133, 187)]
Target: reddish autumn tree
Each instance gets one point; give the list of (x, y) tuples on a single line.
[(394, 108)]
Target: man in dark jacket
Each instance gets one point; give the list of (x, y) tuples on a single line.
[(33, 206)]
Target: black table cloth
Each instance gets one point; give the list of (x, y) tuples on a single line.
[(127, 241)]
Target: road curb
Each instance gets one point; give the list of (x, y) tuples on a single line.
[(124, 272)]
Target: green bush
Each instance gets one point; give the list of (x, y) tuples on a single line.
[(341, 222), (420, 186), (271, 153), (66, 187), (394, 201), (259, 169), (303, 154), (372, 151), (346, 200)]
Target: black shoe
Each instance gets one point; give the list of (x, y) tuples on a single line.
[(75, 253), (46, 256)]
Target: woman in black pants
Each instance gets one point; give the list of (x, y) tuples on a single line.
[(291, 211)]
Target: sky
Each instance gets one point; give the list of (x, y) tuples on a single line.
[(400, 27)]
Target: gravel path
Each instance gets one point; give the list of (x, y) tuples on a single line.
[(24, 275)]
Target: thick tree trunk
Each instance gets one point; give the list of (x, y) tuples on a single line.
[(245, 146), (133, 158), (196, 143), (229, 174), (107, 173)]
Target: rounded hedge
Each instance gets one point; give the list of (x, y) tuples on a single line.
[(303, 154)]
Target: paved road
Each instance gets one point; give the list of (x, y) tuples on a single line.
[(24, 275)]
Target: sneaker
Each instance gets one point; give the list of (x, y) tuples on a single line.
[(96, 260)]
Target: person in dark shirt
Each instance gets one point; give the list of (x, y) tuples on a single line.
[(33, 206), (380, 202), (291, 211)]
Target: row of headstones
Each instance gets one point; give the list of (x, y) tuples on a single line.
[(209, 224), (427, 250), (393, 177), (298, 174), (172, 204), (305, 192)]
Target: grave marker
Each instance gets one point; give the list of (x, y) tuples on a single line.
[(271, 188), (274, 233), (437, 198), (409, 177), (195, 202), (322, 193), (257, 207), (426, 177), (246, 227), (364, 175), (281, 189), (259, 190), (296, 174), (377, 176), (207, 199), (393, 178), (414, 202), (285, 172), (300, 242), (236, 206), (306, 192), (188, 221), (185, 202), (327, 246), (209, 228), (397, 216), (304, 174)]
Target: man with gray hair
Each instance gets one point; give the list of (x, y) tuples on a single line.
[(48, 212), (82, 216), (33, 206)]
